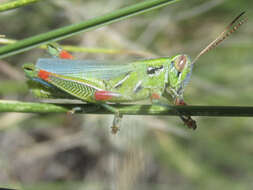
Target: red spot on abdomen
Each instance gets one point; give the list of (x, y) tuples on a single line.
[(65, 55), (105, 95), (44, 75)]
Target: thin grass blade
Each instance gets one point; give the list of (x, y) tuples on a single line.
[(88, 25), (16, 4)]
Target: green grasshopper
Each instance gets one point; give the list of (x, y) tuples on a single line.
[(161, 80)]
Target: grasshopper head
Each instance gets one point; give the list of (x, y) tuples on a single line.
[(30, 70), (179, 73)]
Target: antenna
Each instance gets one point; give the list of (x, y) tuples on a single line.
[(231, 28)]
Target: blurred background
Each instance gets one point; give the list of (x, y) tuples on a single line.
[(55, 151)]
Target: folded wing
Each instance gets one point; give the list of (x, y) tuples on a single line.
[(83, 69)]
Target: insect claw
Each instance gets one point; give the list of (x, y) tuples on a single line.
[(117, 118), (115, 129), (116, 123), (189, 122)]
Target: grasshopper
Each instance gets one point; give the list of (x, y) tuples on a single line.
[(160, 80)]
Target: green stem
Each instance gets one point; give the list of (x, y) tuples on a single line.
[(15, 4), (128, 109), (88, 25)]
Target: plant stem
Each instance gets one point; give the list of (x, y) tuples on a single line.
[(127, 109), (79, 49), (15, 4)]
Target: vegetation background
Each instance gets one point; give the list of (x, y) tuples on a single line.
[(55, 151)]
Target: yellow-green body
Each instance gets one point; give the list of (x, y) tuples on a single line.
[(139, 80)]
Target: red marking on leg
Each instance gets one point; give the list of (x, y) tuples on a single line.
[(44, 75), (65, 55), (105, 95), (179, 102), (155, 96)]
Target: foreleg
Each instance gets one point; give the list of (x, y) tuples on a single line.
[(156, 98), (117, 118), (191, 123)]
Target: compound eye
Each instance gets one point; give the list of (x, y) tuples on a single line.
[(180, 63)]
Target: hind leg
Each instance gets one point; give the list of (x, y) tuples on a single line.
[(56, 51)]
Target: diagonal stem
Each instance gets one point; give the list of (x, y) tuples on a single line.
[(15, 4), (88, 25)]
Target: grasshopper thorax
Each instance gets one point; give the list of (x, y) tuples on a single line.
[(180, 70)]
